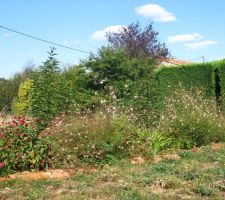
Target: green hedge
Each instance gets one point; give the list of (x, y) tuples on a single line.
[(220, 65), (190, 76)]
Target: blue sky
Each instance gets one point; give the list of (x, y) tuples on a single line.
[(190, 28)]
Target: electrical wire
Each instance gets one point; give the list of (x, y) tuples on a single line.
[(202, 58), (42, 40)]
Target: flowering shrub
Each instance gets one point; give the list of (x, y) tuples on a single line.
[(21, 147), (192, 120), (92, 138)]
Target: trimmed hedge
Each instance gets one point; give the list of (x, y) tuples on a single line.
[(220, 65), (200, 76)]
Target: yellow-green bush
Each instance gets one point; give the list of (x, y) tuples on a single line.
[(23, 103)]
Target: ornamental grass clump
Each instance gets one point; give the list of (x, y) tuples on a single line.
[(191, 120), (21, 147)]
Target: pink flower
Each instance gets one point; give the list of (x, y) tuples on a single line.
[(2, 135), (2, 165)]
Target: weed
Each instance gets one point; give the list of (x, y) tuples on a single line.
[(187, 155), (191, 175), (173, 183), (130, 195), (204, 190), (158, 142)]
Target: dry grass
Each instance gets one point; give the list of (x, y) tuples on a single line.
[(196, 175)]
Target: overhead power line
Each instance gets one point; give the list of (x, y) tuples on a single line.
[(43, 40), (202, 58)]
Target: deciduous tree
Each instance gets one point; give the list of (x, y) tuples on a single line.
[(138, 42)]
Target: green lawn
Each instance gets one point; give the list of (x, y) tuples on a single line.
[(197, 175)]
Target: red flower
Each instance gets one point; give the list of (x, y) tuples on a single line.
[(22, 121), (2, 165), (2, 135)]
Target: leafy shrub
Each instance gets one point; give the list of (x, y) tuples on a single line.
[(130, 79), (78, 84), (21, 147), (192, 120)]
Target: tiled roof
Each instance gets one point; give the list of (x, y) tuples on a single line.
[(173, 61)]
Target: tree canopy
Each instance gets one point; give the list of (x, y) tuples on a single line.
[(138, 42)]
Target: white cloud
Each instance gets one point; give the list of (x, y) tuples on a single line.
[(155, 12), (100, 35), (200, 45), (184, 37)]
